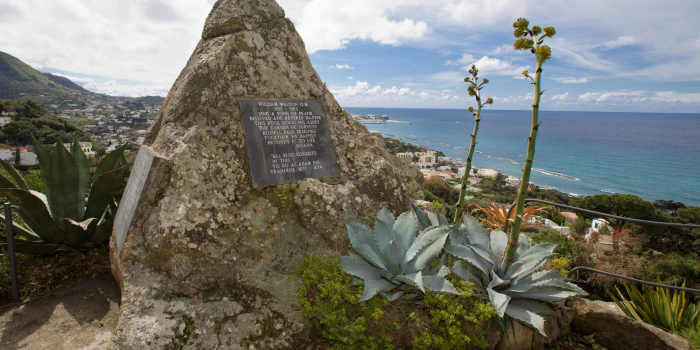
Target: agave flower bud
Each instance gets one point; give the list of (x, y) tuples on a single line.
[(467, 80), (486, 81), (536, 30), (523, 44), (471, 109), (472, 90), (520, 27), (543, 53), (489, 101), (526, 73), (549, 32)]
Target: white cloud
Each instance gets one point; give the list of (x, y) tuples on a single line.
[(331, 24), (450, 76), (560, 97), (602, 96), (351, 78), (673, 96), (342, 66), (490, 65), (620, 41), (571, 80)]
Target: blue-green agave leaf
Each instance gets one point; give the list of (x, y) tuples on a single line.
[(441, 219), (394, 253), (439, 284), (497, 282), (391, 297), (543, 293), (373, 258), (441, 271), (434, 221), (64, 178), (518, 310), (359, 268), (35, 214), (499, 301), (406, 228), (475, 232), (428, 253), (426, 237), (469, 276), (382, 234), (21, 184), (475, 260), (422, 220), (102, 192), (414, 280), (83, 174), (523, 245), (527, 263), (499, 241), (77, 233), (538, 276), (374, 287), (110, 161), (535, 306), (458, 236), (386, 216), (537, 248), (360, 234)]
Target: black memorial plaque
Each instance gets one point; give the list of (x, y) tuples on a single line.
[(139, 179), (287, 140)]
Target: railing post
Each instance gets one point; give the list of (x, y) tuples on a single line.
[(11, 251)]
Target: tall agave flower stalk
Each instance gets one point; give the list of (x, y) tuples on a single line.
[(474, 90), (528, 39)]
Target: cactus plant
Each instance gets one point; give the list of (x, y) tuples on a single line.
[(517, 291), (62, 217), (475, 91), (393, 259), (528, 39)]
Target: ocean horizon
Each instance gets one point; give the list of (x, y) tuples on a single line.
[(651, 155)]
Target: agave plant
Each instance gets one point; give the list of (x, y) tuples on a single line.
[(496, 216), (519, 290), (659, 307), (393, 259), (62, 217)]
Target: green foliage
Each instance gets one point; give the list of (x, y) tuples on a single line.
[(517, 290), (392, 260), (439, 188), (61, 217), (328, 298), (282, 197), (33, 120), (627, 205), (570, 249), (674, 269), (659, 307)]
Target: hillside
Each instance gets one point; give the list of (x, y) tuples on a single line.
[(20, 81), (28, 118)]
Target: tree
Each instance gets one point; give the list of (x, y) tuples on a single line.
[(442, 190), (626, 205), (668, 205)]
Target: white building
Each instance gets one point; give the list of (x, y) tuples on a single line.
[(483, 172), (25, 156), (86, 147)]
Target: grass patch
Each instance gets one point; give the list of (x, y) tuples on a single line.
[(329, 299)]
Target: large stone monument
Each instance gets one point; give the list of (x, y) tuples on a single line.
[(250, 165)]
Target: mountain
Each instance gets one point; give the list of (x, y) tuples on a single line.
[(20, 81)]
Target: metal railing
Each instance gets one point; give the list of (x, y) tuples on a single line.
[(636, 221), (11, 250)]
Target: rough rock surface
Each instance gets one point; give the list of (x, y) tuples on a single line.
[(210, 262), (522, 337), (614, 330)]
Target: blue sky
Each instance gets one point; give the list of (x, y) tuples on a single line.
[(634, 56)]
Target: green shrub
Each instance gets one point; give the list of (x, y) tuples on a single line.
[(329, 298)]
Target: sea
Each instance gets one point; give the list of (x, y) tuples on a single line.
[(651, 155)]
